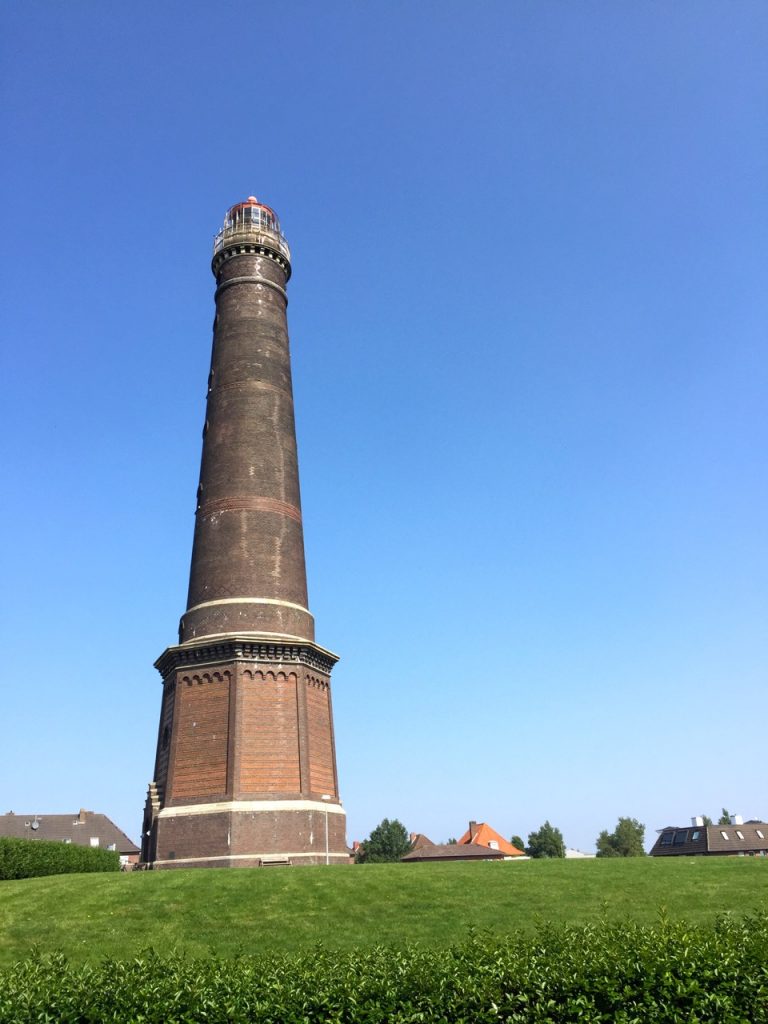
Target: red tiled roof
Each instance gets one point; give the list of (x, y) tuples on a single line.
[(484, 835)]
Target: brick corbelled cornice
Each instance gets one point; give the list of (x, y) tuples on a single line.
[(212, 651)]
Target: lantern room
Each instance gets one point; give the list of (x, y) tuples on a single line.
[(251, 223)]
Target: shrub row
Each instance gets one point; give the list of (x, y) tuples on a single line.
[(31, 858), (623, 974)]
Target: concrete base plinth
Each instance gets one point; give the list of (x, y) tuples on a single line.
[(250, 834)]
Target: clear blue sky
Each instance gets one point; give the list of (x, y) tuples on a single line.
[(528, 321)]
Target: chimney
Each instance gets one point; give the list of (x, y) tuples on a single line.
[(736, 819), (472, 831), (82, 815), (697, 822)]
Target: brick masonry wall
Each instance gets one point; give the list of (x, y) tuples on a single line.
[(164, 734), (199, 754), (268, 733), (321, 752)]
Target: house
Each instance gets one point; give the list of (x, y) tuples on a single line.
[(481, 834), (419, 841), (737, 839), (82, 829), (451, 851)]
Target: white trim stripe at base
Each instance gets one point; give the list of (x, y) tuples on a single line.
[(251, 807), (269, 857)]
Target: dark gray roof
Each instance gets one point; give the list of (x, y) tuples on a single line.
[(752, 842), (687, 841), (78, 828), (453, 851)]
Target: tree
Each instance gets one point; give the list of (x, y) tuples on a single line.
[(626, 840), (518, 842), (706, 820), (725, 818), (547, 842), (387, 842)]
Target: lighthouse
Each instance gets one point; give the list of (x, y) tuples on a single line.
[(245, 769)]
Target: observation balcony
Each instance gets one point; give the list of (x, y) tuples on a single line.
[(251, 226)]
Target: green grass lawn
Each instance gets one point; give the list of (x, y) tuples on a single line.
[(291, 909)]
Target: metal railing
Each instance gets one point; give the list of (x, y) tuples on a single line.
[(249, 233)]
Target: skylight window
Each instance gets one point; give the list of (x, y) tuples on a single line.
[(759, 833), (695, 836), (739, 834), (724, 834)]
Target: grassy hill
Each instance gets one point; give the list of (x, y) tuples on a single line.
[(292, 909)]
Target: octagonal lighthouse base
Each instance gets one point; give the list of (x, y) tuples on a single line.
[(258, 833)]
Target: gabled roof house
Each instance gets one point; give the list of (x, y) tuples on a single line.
[(83, 829)]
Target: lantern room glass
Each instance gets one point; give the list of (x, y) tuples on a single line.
[(248, 219)]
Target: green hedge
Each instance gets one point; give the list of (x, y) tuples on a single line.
[(31, 858), (622, 974)]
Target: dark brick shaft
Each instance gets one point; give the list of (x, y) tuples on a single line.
[(249, 540)]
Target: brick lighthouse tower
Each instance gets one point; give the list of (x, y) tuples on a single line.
[(245, 772)]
